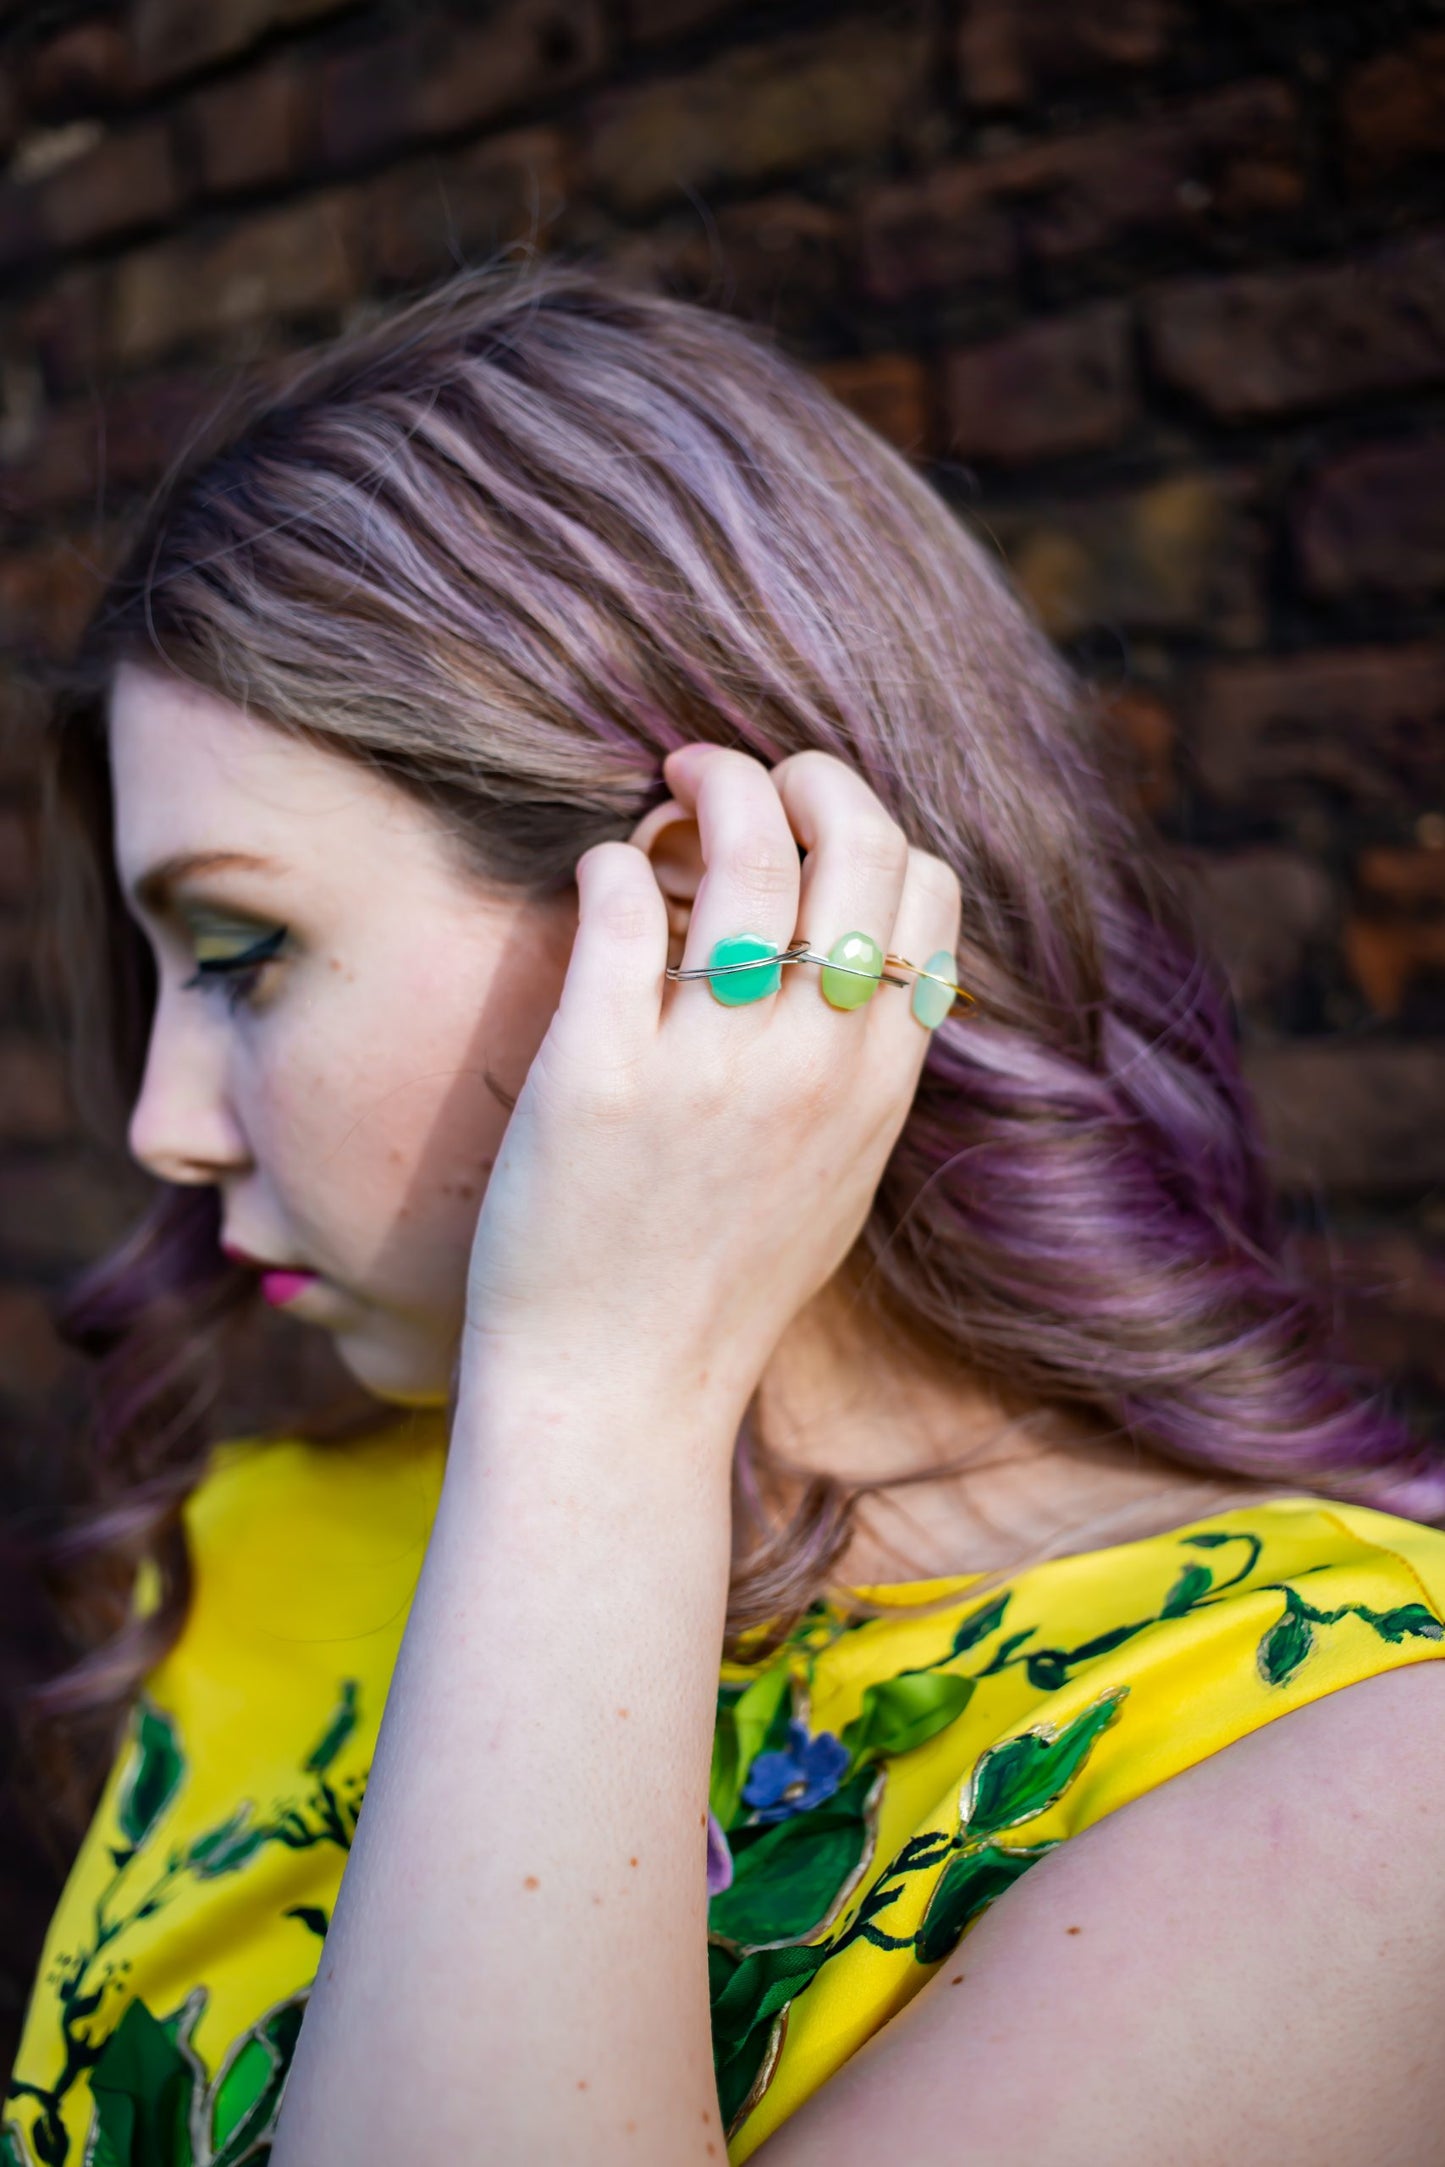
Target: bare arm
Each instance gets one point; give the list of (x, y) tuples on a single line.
[(517, 1965)]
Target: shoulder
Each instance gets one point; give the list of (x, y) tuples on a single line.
[(1242, 1963)]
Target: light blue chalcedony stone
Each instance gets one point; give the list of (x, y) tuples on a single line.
[(859, 953), (738, 988), (931, 1002)]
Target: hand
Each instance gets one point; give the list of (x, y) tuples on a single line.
[(678, 1179)]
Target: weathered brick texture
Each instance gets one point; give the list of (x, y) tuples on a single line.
[(1153, 292)]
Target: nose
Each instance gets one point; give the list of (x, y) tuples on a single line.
[(183, 1126)]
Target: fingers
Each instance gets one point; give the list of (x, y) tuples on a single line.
[(862, 875), (751, 873), (610, 998), (853, 880)]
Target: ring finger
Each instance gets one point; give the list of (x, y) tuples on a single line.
[(852, 884)]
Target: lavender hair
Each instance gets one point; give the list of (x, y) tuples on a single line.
[(508, 547)]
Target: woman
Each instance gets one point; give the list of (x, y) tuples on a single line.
[(633, 933)]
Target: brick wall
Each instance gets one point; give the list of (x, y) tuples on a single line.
[(1155, 289)]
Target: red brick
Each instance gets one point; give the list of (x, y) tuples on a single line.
[(365, 98), (84, 69), (1374, 521), (887, 391), (421, 219), (1009, 54), (1266, 342), (61, 1208), (1141, 726), (1179, 553), (1396, 936), (758, 111), (22, 236), (1361, 726), (1388, 1294), (61, 329), (475, 70), (1218, 162), (35, 1103), (18, 840), (778, 259), (1401, 878), (1392, 110), (941, 234), (1351, 1119), (298, 262), (1386, 956), (55, 466), (1061, 385), (1262, 910), (251, 130), (90, 450), (32, 1356), (46, 594), (171, 38), (649, 20), (128, 180)]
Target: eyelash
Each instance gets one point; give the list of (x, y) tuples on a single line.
[(237, 974)]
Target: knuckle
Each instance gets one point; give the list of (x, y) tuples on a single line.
[(935, 876), (763, 868), (878, 846)]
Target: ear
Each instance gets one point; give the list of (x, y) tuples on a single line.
[(669, 837)]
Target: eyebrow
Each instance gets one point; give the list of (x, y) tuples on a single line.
[(154, 888)]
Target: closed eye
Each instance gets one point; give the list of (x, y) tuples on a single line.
[(237, 974)]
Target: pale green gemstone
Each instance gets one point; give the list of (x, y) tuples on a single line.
[(738, 988), (859, 953), (931, 1003)]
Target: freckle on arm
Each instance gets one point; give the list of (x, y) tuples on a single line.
[(531, 1882)]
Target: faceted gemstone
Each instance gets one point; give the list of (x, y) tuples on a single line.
[(738, 988), (931, 1003), (858, 953)]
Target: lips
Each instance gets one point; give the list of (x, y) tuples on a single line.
[(258, 1264)]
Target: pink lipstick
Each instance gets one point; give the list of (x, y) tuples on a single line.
[(281, 1287)]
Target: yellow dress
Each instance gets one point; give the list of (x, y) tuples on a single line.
[(876, 1782)]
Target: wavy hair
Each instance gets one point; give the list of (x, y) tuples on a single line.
[(509, 546)]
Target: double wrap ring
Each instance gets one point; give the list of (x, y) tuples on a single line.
[(745, 968)]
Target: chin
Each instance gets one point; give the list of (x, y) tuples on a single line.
[(388, 1375)]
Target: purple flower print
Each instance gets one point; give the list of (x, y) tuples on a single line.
[(780, 1784), (719, 1858)]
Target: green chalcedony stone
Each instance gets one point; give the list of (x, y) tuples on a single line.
[(931, 1003), (740, 987), (859, 953)]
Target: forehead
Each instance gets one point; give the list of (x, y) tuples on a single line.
[(190, 771)]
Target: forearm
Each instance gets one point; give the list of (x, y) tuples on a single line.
[(516, 1970)]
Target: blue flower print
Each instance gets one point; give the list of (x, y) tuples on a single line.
[(809, 1771)]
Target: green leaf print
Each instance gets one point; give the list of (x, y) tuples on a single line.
[(1410, 1620), (742, 1732), (336, 1733), (1194, 1582), (1022, 1778), (790, 1876), (11, 2154), (142, 2087), (746, 2003), (153, 1777), (903, 1712), (226, 1849), (246, 2097), (967, 1887), (1286, 1644), (980, 1623)]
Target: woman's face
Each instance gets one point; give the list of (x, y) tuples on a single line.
[(338, 1096)]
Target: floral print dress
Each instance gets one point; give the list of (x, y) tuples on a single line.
[(876, 1782)]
